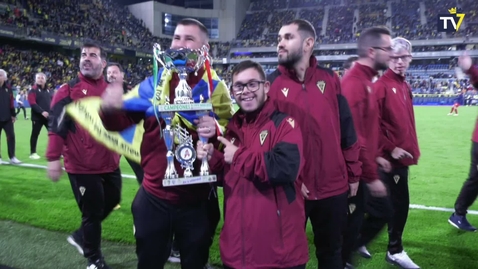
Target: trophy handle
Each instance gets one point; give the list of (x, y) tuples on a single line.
[(203, 54), (158, 53)]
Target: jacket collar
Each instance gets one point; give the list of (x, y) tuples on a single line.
[(308, 73), (364, 70), (38, 87), (393, 76), (257, 118), (92, 81)]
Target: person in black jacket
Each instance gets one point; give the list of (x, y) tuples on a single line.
[(39, 98), (7, 116)]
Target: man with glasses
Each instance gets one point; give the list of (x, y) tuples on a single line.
[(357, 88), (399, 144), (261, 160)]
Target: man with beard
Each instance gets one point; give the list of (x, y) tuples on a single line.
[(261, 160), (399, 145), (190, 212), (312, 95), (93, 170), (469, 191), (39, 98), (7, 116), (374, 47)]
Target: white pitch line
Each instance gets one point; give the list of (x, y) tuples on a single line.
[(44, 167), (421, 207)]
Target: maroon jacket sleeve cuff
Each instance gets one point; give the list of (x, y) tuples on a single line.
[(55, 147)]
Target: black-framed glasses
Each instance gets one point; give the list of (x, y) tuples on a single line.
[(252, 86), (405, 58)]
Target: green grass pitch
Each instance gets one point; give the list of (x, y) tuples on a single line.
[(36, 215)]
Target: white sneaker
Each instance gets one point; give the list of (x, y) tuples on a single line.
[(449, 114), (14, 160), (401, 259), (456, 114), (35, 156), (363, 251)]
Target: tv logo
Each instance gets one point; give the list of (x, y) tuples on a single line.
[(450, 23)]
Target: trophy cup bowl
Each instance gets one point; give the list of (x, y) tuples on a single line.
[(183, 61)]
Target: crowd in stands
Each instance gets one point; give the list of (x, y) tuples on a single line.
[(22, 63), (404, 17), (103, 21), (115, 25)]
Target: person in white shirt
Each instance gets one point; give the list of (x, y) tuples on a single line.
[(21, 96)]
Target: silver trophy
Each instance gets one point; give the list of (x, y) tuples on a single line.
[(183, 62)]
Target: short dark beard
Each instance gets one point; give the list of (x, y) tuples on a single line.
[(291, 60), (380, 66)]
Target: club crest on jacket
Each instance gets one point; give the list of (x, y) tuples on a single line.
[(321, 85), (396, 178), (263, 136), (394, 90)]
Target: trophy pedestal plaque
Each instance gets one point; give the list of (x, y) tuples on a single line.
[(184, 152), (189, 180)]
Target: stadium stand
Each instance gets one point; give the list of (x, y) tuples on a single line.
[(336, 22)]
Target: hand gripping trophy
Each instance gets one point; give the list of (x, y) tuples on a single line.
[(183, 62)]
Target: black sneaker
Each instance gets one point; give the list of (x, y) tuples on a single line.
[(76, 240), (98, 264), (461, 223), (174, 257)]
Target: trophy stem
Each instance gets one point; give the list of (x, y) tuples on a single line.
[(170, 170), (204, 170), (168, 136)]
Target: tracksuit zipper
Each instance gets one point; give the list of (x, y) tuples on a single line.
[(242, 230), (279, 217), (315, 171)]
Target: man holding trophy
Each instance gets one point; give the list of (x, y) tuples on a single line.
[(183, 102)]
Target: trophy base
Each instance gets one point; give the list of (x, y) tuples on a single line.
[(189, 180), (185, 107)]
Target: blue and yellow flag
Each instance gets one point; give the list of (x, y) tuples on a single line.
[(85, 111)]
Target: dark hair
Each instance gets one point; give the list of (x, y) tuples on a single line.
[(115, 64), (103, 54), (244, 65), (191, 21), (304, 26), (370, 37), (349, 61)]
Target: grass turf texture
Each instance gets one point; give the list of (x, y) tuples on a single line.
[(38, 214)]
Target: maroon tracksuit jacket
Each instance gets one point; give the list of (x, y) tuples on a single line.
[(82, 154), (331, 151), (357, 88), (473, 73), (397, 119), (263, 210)]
